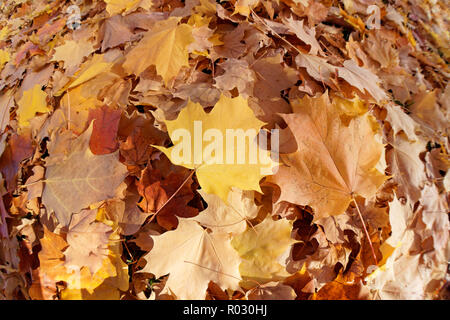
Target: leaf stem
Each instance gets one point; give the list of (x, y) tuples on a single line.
[(171, 197), (365, 231)]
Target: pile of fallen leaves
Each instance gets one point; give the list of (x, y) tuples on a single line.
[(93, 206)]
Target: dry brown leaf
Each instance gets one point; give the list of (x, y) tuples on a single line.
[(333, 162)]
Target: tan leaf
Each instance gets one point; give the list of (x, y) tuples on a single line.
[(231, 217), (333, 162), (72, 53), (407, 168), (81, 179), (192, 255), (363, 79), (88, 242), (400, 121), (305, 34), (237, 75), (271, 291)]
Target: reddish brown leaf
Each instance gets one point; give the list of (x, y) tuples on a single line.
[(104, 134)]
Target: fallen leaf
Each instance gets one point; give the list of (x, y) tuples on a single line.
[(229, 218), (165, 46), (72, 53), (271, 291), (363, 79), (228, 113), (262, 248), (87, 241), (237, 75), (33, 101), (333, 162), (192, 255), (104, 133), (87, 178)]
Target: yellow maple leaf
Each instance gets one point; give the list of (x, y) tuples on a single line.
[(123, 6), (33, 101), (165, 46), (88, 71), (4, 57), (92, 69), (244, 6), (261, 248), (224, 162)]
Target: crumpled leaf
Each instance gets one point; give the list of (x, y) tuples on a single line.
[(363, 79), (237, 75)]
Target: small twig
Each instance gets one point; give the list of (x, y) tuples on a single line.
[(366, 232), (275, 33), (171, 197), (223, 273), (129, 253)]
